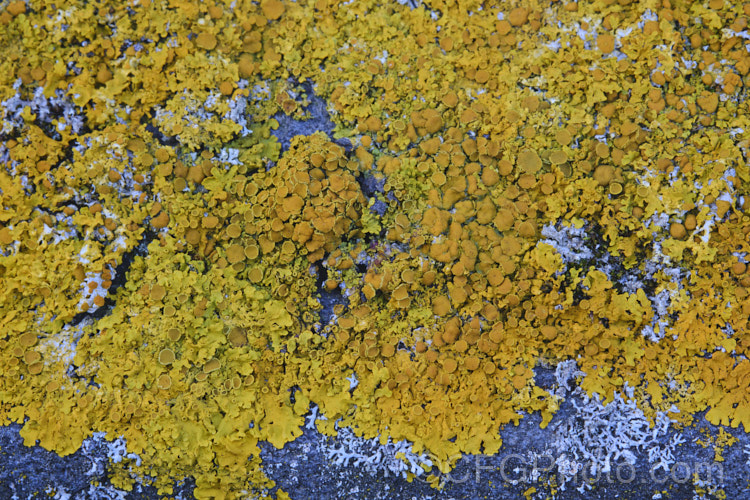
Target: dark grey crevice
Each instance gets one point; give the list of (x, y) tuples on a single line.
[(319, 121), (121, 271), (161, 137), (327, 298)]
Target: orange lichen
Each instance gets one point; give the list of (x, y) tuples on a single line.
[(677, 230), (164, 382), (529, 161), (16, 8), (166, 357), (272, 9), (558, 157), (518, 16), (605, 43)]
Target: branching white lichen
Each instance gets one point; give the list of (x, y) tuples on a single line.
[(374, 456), (599, 435), (391, 458)]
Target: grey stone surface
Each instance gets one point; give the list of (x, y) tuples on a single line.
[(304, 472)]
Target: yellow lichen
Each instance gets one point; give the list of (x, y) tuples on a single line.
[(467, 151)]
